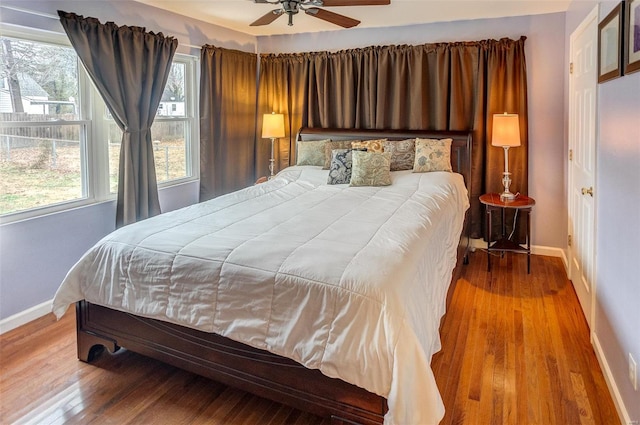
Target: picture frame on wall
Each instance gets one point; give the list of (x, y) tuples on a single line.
[(632, 37), (610, 44)]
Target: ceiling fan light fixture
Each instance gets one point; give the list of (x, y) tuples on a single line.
[(291, 6), (311, 7)]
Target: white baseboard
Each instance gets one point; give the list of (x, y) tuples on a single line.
[(611, 383), (25, 316)]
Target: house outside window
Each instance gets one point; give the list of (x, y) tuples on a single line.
[(59, 147)]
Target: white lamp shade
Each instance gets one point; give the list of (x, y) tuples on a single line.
[(506, 130), (272, 125)]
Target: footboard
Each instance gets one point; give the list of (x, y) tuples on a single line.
[(232, 363)]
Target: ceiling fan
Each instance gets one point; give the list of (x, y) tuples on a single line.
[(312, 8)]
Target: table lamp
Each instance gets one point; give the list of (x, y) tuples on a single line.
[(506, 134), (272, 128)]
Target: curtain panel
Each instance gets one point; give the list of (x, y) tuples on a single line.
[(281, 89), (129, 67), (228, 91), (437, 86)]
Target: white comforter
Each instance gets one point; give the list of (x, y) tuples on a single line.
[(348, 280)]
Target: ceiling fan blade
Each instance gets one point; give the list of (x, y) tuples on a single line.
[(334, 18), (268, 18), (331, 3)]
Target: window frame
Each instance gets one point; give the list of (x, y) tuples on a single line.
[(93, 145)]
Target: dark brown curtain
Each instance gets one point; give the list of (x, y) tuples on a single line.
[(439, 86), (130, 68), (227, 120), (352, 74), (282, 89), (505, 88)]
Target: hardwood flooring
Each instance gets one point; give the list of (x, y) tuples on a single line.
[(516, 351), (517, 348)]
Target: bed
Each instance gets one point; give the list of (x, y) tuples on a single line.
[(293, 289)]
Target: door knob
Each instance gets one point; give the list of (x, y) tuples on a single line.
[(586, 191)]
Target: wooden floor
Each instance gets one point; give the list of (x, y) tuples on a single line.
[(515, 351)]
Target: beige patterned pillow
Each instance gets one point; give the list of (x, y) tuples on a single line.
[(403, 153), (331, 145), (432, 155), (370, 145), (370, 168), (311, 152)]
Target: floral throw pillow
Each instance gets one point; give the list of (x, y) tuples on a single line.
[(369, 145), (370, 168), (311, 153), (340, 168), (432, 155), (403, 153), (330, 146)]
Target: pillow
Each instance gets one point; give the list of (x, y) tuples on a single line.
[(432, 155), (370, 169), (403, 153), (370, 145), (311, 153), (331, 145), (340, 168)]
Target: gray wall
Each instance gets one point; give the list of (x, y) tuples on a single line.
[(545, 55), (617, 321), (36, 254)]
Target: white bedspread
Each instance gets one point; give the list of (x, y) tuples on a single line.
[(348, 280)]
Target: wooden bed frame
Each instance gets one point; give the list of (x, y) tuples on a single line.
[(238, 365)]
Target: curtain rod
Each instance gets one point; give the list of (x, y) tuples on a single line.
[(56, 17)]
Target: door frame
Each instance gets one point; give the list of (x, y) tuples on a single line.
[(591, 16)]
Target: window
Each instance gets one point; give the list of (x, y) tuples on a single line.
[(43, 135), (53, 155)]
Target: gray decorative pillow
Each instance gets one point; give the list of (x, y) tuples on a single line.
[(311, 153), (403, 153), (331, 145), (432, 155), (340, 169), (370, 169)]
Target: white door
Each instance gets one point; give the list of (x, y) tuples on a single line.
[(582, 161)]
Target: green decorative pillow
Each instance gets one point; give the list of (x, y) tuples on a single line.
[(432, 155), (370, 169), (331, 145), (403, 153), (375, 145), (311, 153)]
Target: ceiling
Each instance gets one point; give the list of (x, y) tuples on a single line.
[(238, 14)]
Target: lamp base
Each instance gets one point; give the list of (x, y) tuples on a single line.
[(506, 182), (272, 161), (507, 196)]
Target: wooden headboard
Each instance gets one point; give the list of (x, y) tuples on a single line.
[(460, 148)]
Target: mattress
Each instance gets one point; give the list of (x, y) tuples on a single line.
[(348, 280)]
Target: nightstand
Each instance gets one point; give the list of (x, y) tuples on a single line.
[(493, 203)]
